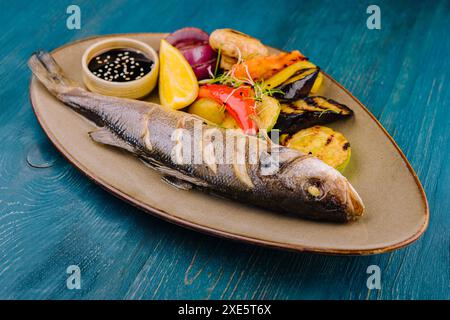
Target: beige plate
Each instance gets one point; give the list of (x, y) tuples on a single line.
[(396, 206)]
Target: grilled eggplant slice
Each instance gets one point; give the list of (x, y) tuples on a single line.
[(298, 86), (284, 75), (324, 143), (310, 111), (288, 72), (317, 84)]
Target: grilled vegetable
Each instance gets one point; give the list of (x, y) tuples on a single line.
[(229, 122), (234, 44), (310, 111), (187, 37), (239, 103), (226, 62), (289, 72), (208, 109), (284, 75), (268, 111), (264, 67), (317, 84), (324, 143), (297, 86), (193, 43)]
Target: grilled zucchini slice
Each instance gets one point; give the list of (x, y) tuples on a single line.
[(268, 111), (229, 122), (322, 142), (208, 109), (310, 111)]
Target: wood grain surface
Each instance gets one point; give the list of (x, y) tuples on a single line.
[(51, 216)]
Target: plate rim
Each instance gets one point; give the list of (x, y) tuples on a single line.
[(213, 231)]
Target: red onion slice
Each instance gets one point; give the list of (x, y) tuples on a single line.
[(193, 43), (187, 35), (201, 70), (199, 54)]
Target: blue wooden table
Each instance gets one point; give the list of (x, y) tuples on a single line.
[(51, 216)]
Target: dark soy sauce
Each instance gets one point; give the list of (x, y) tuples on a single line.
[(120, 65)]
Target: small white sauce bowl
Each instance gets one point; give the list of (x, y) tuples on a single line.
[(133, 89)]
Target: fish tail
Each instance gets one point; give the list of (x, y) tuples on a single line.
[(49, 73)]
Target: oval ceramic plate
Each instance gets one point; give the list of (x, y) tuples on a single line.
[(396, 206)]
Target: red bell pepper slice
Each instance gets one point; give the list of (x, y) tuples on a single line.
[(239, 103)]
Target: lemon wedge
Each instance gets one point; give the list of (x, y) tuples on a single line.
[(178, 85)]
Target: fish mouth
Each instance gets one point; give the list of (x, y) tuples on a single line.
[(355, 204)]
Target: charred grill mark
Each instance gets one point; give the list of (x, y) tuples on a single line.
[(239, 33), (346, 146), (284, 139), (330, 138), (313, 102)]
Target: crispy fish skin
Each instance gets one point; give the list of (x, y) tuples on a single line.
[(303, 185)]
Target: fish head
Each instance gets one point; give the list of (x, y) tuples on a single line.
[(324, 188)]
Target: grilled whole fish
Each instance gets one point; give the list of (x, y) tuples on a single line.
[(302, 185)]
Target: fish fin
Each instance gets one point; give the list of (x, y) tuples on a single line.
[(177, 183), (49, 73), (150, 162), (105, 136), (169, 172)]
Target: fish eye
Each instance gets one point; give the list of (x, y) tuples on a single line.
[(313, 188), (314, 191)]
